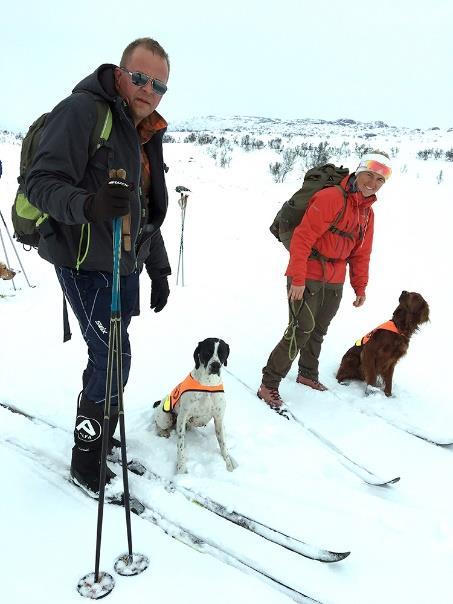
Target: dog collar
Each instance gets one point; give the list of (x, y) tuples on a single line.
[(189, 384)]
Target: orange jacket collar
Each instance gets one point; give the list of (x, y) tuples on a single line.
[(150, 125)]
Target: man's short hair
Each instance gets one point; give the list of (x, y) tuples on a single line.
[(147, 43)]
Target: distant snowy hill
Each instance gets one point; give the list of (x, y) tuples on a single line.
[(310, 126)]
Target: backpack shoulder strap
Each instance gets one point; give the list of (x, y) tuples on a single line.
[(103, 126), (343, 209), (333, 226)]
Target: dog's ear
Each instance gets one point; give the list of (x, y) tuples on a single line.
[(196, 355), (224, 352)]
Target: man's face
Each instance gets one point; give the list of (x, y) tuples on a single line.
[(142, 100), (369, 183)]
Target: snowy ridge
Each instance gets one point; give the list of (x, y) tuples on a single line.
[(306, 126)]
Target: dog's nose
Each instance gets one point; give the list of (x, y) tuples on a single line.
[(404, 293), (214, 367)]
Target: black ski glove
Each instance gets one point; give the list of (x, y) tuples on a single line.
[(113, 199), (159, 293)]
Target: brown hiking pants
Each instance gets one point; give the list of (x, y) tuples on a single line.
[(320, 305)]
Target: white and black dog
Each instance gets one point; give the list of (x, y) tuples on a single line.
[(196, 400)]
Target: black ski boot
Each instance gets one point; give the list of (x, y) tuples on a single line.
[(86, 453)]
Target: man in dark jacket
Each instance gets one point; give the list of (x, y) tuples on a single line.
[(72, 186)]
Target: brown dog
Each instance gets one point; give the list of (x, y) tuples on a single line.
[(380, 350), (5, 272)]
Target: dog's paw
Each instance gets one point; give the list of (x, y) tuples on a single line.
[(162, 432), (344, 382), (181, 469), (371, 390), (231, 463)]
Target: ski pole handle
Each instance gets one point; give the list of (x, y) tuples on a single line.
[(126, 221)]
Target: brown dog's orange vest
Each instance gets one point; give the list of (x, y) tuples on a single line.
[(187, 385), (388, 325)]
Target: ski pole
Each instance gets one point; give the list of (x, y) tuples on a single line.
[(15, 250), (6, 257), (182, 201), (130, 563), (181, 246)]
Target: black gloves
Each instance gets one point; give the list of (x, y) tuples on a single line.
[(159, 293), (113, 199)]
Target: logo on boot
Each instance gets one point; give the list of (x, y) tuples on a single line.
[(87, 429)]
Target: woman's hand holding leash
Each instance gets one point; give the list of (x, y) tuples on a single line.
[(359, 301), (296, 292)]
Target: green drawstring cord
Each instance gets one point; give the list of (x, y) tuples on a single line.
[(87, 247), (290, 331)]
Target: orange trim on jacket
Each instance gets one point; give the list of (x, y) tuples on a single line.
[(189, 384), (388, 325), (146, 130), (149, 126), (313, 232)]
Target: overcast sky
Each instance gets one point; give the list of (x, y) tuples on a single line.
[(389, 60)]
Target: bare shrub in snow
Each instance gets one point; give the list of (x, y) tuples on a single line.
[(280, 170), (318, 155)]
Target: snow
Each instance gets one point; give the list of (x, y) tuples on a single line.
[(400, 536)]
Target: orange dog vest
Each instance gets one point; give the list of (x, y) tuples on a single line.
[(388, 325), (189, 384)]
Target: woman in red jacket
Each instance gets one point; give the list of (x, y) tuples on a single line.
[(316, 271)]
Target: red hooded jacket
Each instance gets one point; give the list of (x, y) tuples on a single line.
[(313, 232)]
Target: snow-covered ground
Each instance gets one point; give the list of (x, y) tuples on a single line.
[(400, 536)]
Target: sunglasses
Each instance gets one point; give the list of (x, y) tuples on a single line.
[(141, 79), (374, 166)]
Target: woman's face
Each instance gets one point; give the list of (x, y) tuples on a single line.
[(369, 183)]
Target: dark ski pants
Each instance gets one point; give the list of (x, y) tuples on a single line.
[(90, 294), (321, 302)]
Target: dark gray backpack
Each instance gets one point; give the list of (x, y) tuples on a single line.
[(292, 211)]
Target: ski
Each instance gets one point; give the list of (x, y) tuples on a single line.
[(32, 418), (263, 530), (434, 439), (354, 466), (203, 545), (170, 527), (290, 543), (111, 498), (441, 441)]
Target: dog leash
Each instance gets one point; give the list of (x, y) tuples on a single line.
[(290, 331)]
